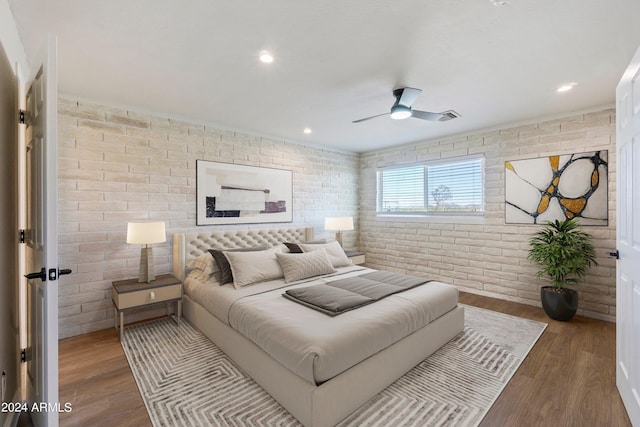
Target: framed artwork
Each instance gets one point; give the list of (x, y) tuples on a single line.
[(558, 187), (236, 194)]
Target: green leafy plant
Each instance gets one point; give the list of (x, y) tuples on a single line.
[(564, 252)]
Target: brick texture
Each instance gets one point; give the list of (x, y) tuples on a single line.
[(486, 256), (117, 165)]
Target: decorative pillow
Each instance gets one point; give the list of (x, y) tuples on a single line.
[(226, 276), (253, 266), (334, 251), (294, 248), (302, 266), (199, 275), (204, 262)]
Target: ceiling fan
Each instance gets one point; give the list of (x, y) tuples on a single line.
[(401, 109)]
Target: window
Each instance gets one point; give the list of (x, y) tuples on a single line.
[(454, 186)]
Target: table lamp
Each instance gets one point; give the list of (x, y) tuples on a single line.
[(338, 224), (146, 233)]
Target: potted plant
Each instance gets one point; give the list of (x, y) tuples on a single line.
[(564, 254)]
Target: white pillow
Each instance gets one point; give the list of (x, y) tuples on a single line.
[(301, 266), (205, 263), (203, 277), (335, 252), (253, 267)]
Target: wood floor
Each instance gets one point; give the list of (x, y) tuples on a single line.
[(568, 378)]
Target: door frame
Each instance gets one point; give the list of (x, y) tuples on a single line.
[(10, 312)]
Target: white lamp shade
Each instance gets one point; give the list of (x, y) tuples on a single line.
[(146, 232), (338, 223)]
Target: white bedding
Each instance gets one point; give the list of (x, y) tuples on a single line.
[(313, 345)]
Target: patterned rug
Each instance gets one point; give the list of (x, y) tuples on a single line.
[(186, 380)]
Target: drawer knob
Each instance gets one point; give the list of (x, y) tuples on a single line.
[(152, 295)]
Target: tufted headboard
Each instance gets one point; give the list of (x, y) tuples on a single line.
[(188, 246)]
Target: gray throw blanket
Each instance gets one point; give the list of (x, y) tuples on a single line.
[(342, 295)]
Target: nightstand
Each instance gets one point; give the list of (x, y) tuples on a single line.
[(355, 256), (128, 294)]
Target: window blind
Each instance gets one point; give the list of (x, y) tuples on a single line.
[(402, 189), (451, 187)]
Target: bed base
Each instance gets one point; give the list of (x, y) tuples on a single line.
[(314, 406), (332, 401)]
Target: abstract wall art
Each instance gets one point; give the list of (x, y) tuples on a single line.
[(237, 194), (557, 187)]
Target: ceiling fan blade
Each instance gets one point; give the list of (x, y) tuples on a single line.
[(425, 115), (368, 118), (406, 96)]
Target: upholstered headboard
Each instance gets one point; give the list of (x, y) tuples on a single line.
[(188, 246)]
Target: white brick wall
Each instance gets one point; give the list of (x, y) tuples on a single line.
[(487, 256), (117, 165)]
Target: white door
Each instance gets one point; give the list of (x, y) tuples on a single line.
[(628, 239), (42, 239)]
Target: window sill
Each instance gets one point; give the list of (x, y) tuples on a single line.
[(442, 219)]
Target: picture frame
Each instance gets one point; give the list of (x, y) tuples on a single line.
[(228, 193), (558, 187)]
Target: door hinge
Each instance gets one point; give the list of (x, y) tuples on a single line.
[(21, 117), (23, 355), (22, 235)]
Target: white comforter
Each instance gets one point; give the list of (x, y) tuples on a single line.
[(313, 345)]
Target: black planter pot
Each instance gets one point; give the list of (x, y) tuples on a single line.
[(559, 304)]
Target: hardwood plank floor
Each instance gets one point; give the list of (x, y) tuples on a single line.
[(95, 378), (568, 378)]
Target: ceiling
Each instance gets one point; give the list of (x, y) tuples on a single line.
[(336, 62)]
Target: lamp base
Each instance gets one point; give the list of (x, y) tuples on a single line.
[(146, 273), (339, 237)]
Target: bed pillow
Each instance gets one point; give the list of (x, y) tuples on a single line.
[(249, 267), (202, 276), (226, 275), (205, 263), (294, 248), (305, 265), (334, 252)]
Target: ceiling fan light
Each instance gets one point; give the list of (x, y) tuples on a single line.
[(266, 57), (400, 112)]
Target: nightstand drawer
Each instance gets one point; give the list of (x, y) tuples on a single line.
[(146, 296), (357, 259)]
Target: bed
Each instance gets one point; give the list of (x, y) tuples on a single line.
[(323, 389)]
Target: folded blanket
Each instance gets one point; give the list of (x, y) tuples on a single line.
[(342, 295)]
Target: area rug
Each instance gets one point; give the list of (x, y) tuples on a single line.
[(185, 380)]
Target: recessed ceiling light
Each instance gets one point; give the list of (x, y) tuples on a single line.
[(266, 57), (499, 2), (307, 131), (566, 88)]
